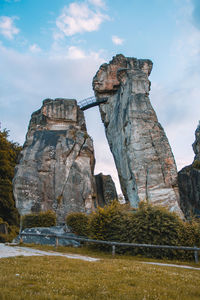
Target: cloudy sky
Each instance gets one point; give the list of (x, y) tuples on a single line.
[(53, 48)]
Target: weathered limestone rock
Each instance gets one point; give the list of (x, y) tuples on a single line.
[(105, 189), (189, 182), (196, 144), (45, 239), (142, 154), (57, 162)]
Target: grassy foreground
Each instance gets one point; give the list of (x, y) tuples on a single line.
[(121, 278)]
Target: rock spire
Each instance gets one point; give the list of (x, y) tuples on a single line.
[(142, 154)]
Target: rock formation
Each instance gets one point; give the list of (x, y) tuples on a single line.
[(105, 189), (57, 162), (189, 182), (142, 154)]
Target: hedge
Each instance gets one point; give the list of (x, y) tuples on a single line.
[(42, 219), (78, 223), (146, 225)]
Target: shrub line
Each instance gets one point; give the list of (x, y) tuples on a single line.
[(111, 243)]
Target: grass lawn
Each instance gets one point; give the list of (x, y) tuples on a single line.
[(118, 278)]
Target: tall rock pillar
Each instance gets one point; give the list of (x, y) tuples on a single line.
[(57, 161), (142, 154)]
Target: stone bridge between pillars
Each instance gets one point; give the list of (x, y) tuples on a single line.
[(90, 102)]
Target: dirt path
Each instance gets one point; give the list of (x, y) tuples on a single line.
[(10, 251)]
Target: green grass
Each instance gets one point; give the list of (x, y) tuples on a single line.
[(100, 254), (119, 278)]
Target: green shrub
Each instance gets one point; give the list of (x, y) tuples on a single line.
[(196, 164), (13, 231), (110, 223), (189, 236), (78, 223), (42, 219), (147, 225), (156, 226)]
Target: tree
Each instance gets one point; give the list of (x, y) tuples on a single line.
[(9, 152)]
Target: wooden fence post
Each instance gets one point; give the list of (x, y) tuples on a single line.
[(21, 239), (113, 250), (196, 256), (56, 245)]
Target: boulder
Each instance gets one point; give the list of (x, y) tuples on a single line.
[(55, 171), (105, 189), (142, 154), (42, 237)]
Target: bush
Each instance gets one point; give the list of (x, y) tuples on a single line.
[(13, 231), (157, 226), (78, 223), (110, 223), (42, 219), (147, 225), (196, 164)]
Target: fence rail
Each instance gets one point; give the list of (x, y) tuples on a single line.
[(114, 244)]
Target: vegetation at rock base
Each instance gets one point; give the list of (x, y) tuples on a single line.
[(43, 278), (147, 225), (42, 219), (78, 222), (196, 164)]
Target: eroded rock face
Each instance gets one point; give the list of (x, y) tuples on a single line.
[(105, 189), (189, 182), (196, 144), (142, 154), (57, 162)]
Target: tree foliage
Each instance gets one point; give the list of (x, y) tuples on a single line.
[(9, 152)]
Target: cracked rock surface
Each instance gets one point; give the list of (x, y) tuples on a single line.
[(142, 154), (189, 182), (56, 167)]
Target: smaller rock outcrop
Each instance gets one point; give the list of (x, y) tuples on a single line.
[(57, 162), (105, 189), (189, 182), (196, 144)]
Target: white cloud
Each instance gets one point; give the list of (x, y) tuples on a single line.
[(79, 18), (7, 27), (75, 53), (35, 48), (116, 40)]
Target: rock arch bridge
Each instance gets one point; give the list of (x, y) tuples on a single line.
[(90, 102)]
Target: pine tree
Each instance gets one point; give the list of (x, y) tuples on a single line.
[(9, 152)]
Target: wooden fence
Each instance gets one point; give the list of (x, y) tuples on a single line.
[(115, 244)]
